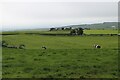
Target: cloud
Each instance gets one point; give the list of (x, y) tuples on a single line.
[(57, 13)]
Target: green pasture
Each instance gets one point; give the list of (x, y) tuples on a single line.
[(101, 31), (60, 63), (85, 32), (62, 42), (63, 32), (65, 56)]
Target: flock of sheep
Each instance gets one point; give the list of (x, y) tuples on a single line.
[(6, 45), (22, 46), (95, 46)]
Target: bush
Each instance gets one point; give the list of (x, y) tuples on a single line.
[(77, 31)]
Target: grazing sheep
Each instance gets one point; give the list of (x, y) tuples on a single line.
[(94, 45), (4, 44), (44, 47), (22, 46), (97, 46), (12, 46)]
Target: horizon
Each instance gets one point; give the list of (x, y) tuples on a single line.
[(34, 28)]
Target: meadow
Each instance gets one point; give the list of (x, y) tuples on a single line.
[(60, 63), (109, 31), (65, 56), (62, 42)]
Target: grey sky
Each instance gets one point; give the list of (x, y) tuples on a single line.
[(48, 14)]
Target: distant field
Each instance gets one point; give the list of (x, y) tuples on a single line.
[(101, 31), (62, 42), (65, 56), (65, 32), (86, 32)]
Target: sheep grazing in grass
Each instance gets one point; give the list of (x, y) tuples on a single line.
[(4, 44), (9, 46), (12, 46), (97, 46), (22, 46), (43, 47)]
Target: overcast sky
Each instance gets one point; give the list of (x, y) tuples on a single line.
[(23, 15)]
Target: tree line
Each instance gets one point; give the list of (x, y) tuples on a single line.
[(76, 31)]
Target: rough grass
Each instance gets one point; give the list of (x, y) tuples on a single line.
[(60, 63), (101, 31), (62, 42), (63, 32), (65, 56)]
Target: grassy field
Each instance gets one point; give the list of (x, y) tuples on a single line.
[(64, 32), (60, 63), (101, 31), (62, 42), (65, 56)]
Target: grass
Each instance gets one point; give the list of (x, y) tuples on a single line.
[(65, 56), (60, 63), (101, 32), (86, 32), (64, 32), (62, 42)]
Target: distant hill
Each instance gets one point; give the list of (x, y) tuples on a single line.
[(105, 25)]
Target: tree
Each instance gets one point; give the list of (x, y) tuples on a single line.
[(80, 31), (62, 28), (51, 29), (70, 28), (72, 32)]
